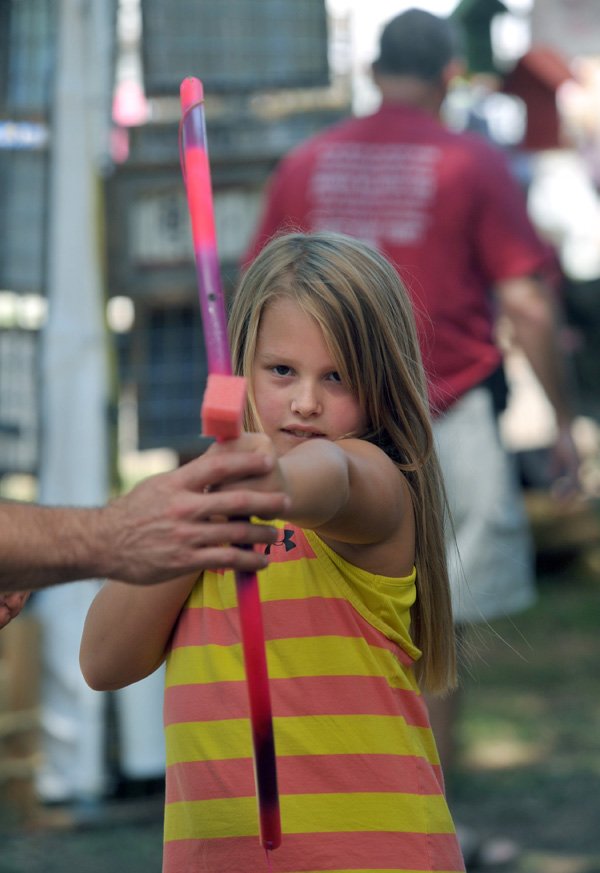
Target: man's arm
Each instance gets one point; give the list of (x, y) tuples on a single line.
[(529, 306), (163, 528)]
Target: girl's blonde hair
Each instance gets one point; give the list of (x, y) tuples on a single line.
[(364, 311)]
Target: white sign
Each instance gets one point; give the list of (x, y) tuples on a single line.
[(160, 233), (23, 135)]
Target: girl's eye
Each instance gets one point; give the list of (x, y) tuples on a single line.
[(281, 370), (334, 377)]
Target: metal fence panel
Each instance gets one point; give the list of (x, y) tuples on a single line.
[(168, 366), (19, 410), (234, 45), (23, 211), (27, 44)]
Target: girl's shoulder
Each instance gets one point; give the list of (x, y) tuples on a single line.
[(373, 461)]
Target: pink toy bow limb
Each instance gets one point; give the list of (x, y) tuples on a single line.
[(222, 413)]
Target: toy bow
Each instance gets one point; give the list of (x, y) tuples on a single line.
[(222, 412)]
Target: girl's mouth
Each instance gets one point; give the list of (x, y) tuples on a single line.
[(302, 434)]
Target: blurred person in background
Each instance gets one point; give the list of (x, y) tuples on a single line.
[(445, 208)]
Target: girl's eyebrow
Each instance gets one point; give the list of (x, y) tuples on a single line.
[(271, 355)]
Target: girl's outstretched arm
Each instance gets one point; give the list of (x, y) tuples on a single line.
[(127, 630), (348, 491)]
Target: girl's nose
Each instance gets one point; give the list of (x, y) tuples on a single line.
[(306, 401)]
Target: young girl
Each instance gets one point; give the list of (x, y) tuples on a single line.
[(355, 599)]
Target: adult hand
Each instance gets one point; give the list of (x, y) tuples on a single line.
[(272, 480), (11, 604), (175, 523)]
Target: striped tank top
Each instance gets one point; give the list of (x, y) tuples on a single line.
[(359, 778)]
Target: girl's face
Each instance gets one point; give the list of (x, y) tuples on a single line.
[(297, 389)]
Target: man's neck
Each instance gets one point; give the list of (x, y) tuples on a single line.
[(411, 91)]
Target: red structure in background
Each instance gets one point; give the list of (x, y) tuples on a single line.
[(536, 78)]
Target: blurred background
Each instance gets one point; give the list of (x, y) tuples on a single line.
[(102, 366)]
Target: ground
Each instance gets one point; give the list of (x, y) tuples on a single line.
[(531, 755)]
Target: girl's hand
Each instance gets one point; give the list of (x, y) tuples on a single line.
[(11, 604)]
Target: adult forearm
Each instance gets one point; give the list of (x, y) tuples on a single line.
[(544, 356), (532, 313), (535, 327), (168, 525), (42, 546)]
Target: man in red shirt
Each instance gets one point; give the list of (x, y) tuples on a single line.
[(446, 211)]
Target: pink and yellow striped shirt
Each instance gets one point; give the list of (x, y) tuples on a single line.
[(359, 777)]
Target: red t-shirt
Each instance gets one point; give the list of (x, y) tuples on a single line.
[(442, 206)]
